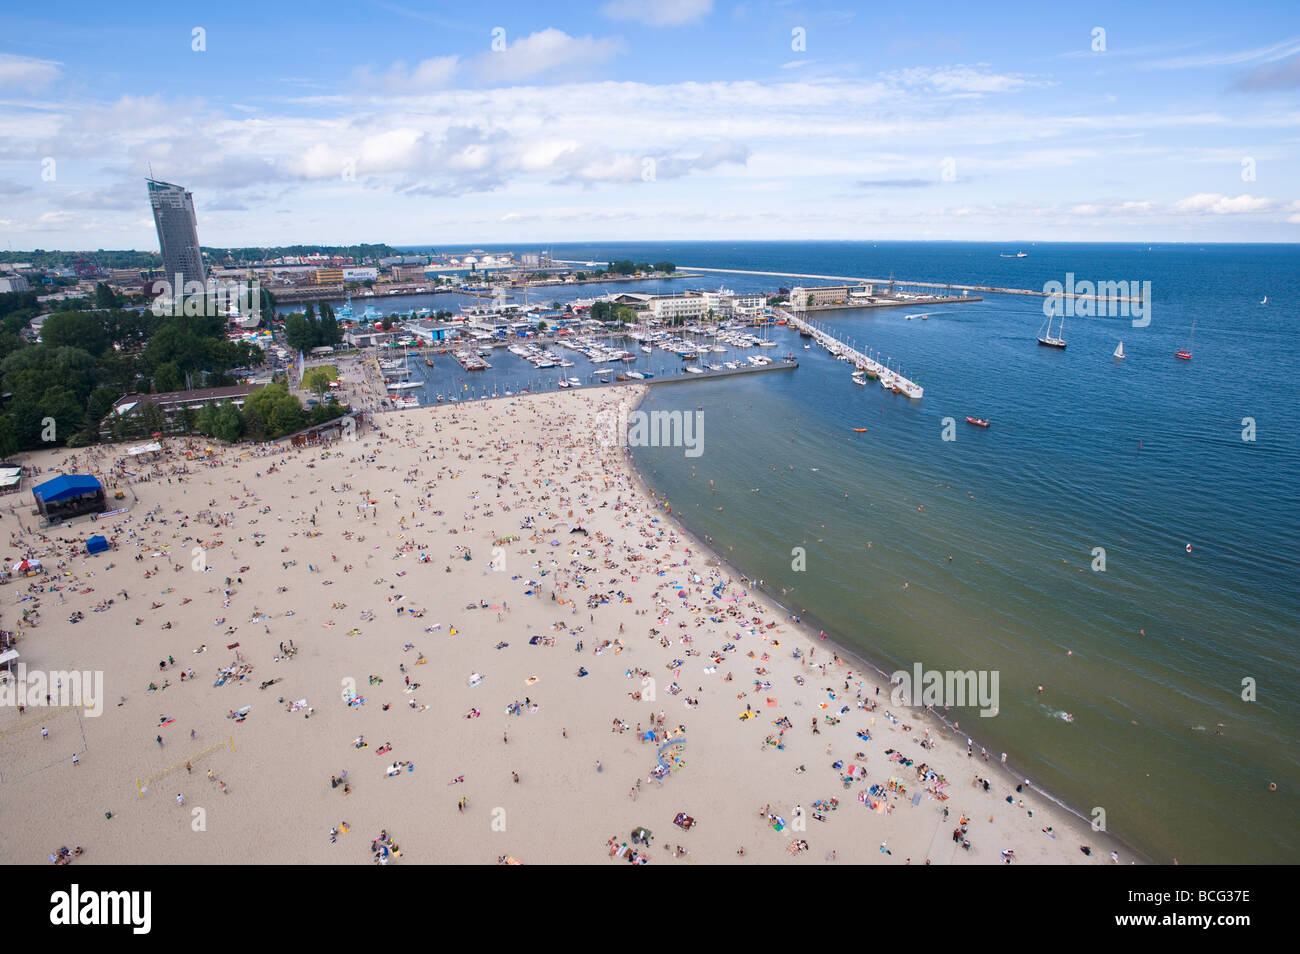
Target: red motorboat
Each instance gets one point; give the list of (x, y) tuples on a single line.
[(1186, 353), (978, 421)]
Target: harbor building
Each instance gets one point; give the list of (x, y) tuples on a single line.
[(719, 305), (819, 296), (672, 307), (178, 233)]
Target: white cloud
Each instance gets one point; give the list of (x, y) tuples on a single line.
[(1264, 54), (1216, 204), (543, 52), (963, 79), (434, 73), (25, 72), (658, 12)]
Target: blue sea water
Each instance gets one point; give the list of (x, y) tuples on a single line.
[(1141, 458)]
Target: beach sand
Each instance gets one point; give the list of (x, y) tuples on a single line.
[(386, 568)]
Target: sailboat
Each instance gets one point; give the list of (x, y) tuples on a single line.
[(1186, 353), (1265, 301), (1046, 340), (1119, 351)]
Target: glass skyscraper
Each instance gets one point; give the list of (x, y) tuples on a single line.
[(178, 233)]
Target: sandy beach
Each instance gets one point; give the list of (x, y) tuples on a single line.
[(517, 615)]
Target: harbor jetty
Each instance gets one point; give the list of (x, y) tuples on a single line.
[(938, 290), (889, 379)]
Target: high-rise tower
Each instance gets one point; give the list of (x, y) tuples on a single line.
[(178, 233)]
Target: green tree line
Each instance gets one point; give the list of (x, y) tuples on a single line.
[(628, 267), (86, 360), (306, 330), (268, 413)]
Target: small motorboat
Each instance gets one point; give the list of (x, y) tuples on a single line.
[(859, 430), (978, 421)]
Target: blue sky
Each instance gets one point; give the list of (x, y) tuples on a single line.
[(410, 122)]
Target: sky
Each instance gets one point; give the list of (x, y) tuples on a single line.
[(635, 120)]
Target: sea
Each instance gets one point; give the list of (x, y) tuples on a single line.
[(1121, 545)]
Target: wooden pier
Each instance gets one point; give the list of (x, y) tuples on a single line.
[(895, 381)]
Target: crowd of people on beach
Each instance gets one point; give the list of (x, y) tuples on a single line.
[(580, 537)]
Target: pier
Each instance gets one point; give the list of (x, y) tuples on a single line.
[(785, 364), (934, 289), (890, 379)]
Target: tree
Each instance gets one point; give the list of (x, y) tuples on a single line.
[(152, 420), (330, 332), (205, 422), (77, 329), (105, 297), (167, 377), (267, 303), (667, 267), (297, 332), (286, 418), (8, 437), (227, 424), (62, 405)]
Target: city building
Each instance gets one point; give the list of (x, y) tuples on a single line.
[(178, 233), (328, 276), (829, 295), (686, 307), (171, 402), (407, 273), (365, 338), (14, 283), (431, 332)]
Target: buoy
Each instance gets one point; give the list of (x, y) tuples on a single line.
[(1189, 548)]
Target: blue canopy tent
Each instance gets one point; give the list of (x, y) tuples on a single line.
[(69, 495), (96, 544)]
